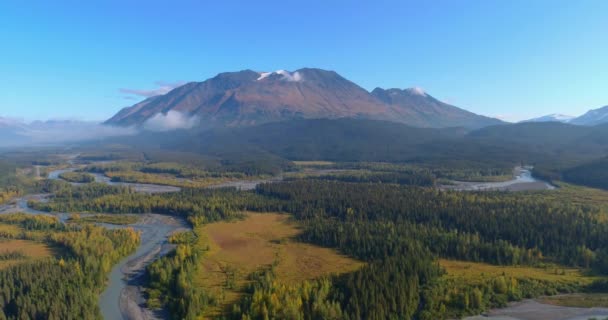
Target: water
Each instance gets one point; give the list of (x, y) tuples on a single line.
[(522, 181), (534, 310), (122, 298), (100, 178)]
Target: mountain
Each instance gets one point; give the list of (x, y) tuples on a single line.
[(592, 117), (248, 98), (416, 107), (555, 117)]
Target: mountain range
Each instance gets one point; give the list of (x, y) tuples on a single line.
[(250, 98), (590, 118)]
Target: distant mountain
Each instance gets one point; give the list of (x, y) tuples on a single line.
[(248, 98), (555, 117), (592, 117)]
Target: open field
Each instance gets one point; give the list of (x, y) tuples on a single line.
[(499, 178), (9, 231), (582, 300), (121, 219), (569, 194), (168, 179), (24, 250), (236, 249), (477, 273), (312, 163)]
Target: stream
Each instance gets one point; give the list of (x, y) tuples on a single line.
[(522, 181)]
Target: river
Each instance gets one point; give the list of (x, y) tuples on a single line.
[(522, 181), (534, 310), (100, 178)]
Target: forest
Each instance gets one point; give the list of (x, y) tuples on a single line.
[(399, 230), (66, 286)]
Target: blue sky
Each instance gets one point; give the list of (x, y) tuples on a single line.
[(513, 59)]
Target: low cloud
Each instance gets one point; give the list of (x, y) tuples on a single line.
[(172, 120), (163, 88), (55, 132), (68, 131)]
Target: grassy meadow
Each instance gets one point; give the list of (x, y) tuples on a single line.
[(238, 248)]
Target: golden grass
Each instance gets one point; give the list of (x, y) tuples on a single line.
[(312, 163), (581, 300), (169, 180), (499, 178), (476, 273), (31, 250), (236, 249), (9, 231)]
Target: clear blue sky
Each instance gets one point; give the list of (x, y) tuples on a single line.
[(516, 59)]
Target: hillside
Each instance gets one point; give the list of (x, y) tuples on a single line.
[(422, 109)]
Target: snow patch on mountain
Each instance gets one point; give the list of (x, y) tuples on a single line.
[(286, 75), (416, 91), (555, 117)]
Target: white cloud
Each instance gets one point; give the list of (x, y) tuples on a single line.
[(164, 87), (172, 120)]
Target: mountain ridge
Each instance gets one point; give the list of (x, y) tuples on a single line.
[(593, 117)]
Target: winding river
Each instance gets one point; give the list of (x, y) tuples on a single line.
[(123, 297)]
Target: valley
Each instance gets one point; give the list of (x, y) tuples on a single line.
[(291, 160), (220, 236)]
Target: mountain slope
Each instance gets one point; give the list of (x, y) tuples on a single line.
[(424, 110), (592, 117), (248, 97)]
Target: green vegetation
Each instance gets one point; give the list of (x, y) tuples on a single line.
[(399, 231), (213, 263), (469, 287), (32, 287), (594, 174), (122, 219), (426, 253), (197, 205), (8, 185), (170, 281), (165, 173), (78, 177), (580, 300)]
